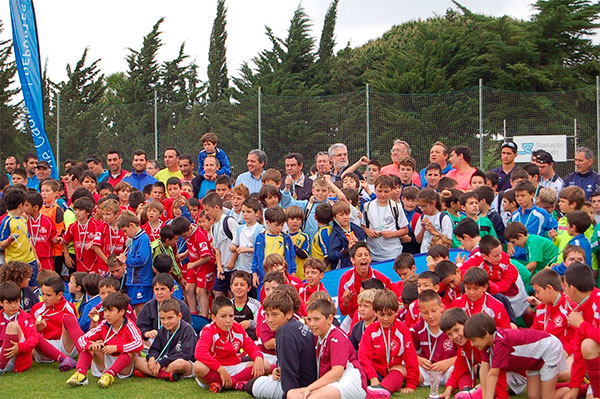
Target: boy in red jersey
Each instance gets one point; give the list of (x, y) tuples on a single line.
[(154, 211), (339, 372), (314, 270), (218, 355), (48, 317), (477, 300), (585, 318), (82, 234), (425, 281), (451, 278), (386, 350), (110, 348), (109, 238), (201, 267), (42, 230), (276, 262), (18, 336), (537, 353)]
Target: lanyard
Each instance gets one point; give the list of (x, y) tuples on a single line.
[(22, 300), (109, 337), (35, 223), (548, 310), (168, 342), (80, 258), (112, 246), (482, 306), (320, 348), (154, 232), (431, 350), (275, 241), (158, 313), (470, 365), (581, 303), (388, 345), (13, 317)]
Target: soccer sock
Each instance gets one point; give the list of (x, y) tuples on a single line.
[(393, 381), (593, 369), (50, 351), (6, 343), (120, 363), (212, 376), (242, 376), (72, 327), (163, 374), (84, 362)]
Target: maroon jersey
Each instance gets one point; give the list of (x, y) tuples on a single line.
[(434, 347), (517, 350), (41, 231), (110, 241), (263, 331), (81, 235)]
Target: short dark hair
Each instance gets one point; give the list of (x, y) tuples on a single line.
[(85, 204), (120, 155), (212, 200), (479, 325), (404, 261), (297, 156), (109, 282), (56, 284), (166, 233), (9, 291), (241, 274), (139, 152), (467, 227), (322, 306), (437, 251), (429, 295), (136, 198), (447, 183), (266, 191), (14, 197), (433, 166), (525, 185), (372, 283), (384, 181), (547, 277), (581, 220), (171, 181), (429, 275), (519, 173), (487, 243), (323, 213), (580, 276), (35, 199), (464, 151), (467, 196), (445, 269), (452, 317), (164, 279), (116, 300), (492, 177), (315, 263), (90, 283), (385, 300), (477, 276), (361, 244), (170, 305), (485, 193), (253, 204), (452, 198), (79, 276), (180, 225), (223, 179), (221, 302), (274, 276), (410, 192), (275, 215), (162, 263), (531, 169), (513, 229), (279, 300)]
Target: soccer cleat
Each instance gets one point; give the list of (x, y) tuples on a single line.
[(77, 380), (169, 377), (377, 392), (469, 394), (106, 380), (67, 364), (215, 387), (239, 386)]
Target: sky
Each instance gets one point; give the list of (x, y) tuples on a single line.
[(108, 28)]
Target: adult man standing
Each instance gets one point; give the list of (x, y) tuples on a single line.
[(437, 154), (139, 178), (186, 166), (400, 149), (338, 156), (171, 159), (11, 163), (460, 159), (323, 165), (508, 153), (116, 173), (302, 185), (42, 171), (584, 176), (30, 161), (548, 177), (94, 164), (256, 162)]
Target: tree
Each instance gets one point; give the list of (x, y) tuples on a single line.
[(324, 64), (218, 82)]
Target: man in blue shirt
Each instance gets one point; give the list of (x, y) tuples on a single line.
[(584, 176), (139, 178), (256, 162), (508, 153), (438, 154), (94, 163)]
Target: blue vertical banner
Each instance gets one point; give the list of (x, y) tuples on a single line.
[(27, 55)]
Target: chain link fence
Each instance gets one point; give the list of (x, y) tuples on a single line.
[(367, 122)]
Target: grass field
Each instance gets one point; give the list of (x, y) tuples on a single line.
[(44, 381)]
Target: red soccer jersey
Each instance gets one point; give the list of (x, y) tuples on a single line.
[(488, 304), (589, 328), (130, 313), (413, 314), (127, 337), (518, 350), (82, 236), (351, 281), (199, 245), (335, 349), (305, 292), (381, 348), (30, 337), (398, 287), (431, 346), (53, 316), (263, 332), (503, 276), (41, 231), (553, 319), (110, 241), (450, 295), (153, 233), (217, 347)]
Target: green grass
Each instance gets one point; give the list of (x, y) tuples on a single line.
[(44, 381)]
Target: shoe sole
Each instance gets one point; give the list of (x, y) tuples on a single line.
[(74, 384)]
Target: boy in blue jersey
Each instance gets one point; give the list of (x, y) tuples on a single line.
[(577, 224), (536, 220), (137, 259)]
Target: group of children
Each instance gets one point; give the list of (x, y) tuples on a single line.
[(122, 277)]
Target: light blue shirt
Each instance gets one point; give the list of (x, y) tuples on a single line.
[(248, 180)]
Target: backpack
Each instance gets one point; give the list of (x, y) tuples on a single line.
[(394, 210), (226, 228)]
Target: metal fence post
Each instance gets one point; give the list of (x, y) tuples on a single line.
[(575, 139), (598, 121), (155, 125), (259, 119), (368, 123), (58, 132), (481, 154)]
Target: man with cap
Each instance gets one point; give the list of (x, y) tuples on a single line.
[(42, 171), (584, 176), (548, 177), (507, 155)]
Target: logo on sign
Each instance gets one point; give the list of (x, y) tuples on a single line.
[(527, 149)]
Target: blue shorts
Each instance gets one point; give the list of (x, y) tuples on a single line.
[(223, 285), (139, 293)]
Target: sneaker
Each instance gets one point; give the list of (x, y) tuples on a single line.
[(67, 364), (137, 373), (377, 392), (106, 380), (469, 394), (215, 387), (77, 379), (239, 386)]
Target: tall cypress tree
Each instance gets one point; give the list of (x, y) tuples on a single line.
[(325, 51), (218, 82)]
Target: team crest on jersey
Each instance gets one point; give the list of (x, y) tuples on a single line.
[(393, 345), (178, 346), (335, 340), (236, 345), (558, 321), (448, 345)]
